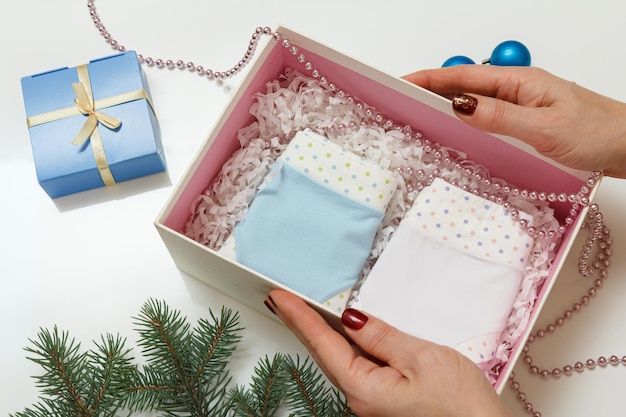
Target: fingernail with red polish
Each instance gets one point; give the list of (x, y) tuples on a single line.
[(353, 319), (464, 103), (269, 297), (269, 306)]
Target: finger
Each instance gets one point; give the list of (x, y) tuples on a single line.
[(332, 352), (383, 341), (504, 118), (502, 82), (344, 365)]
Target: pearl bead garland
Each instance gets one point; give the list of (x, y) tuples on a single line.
[(180, 64), (483, 187), (478, 183), (599, 237)]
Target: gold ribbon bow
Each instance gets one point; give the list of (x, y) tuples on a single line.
[(86, 105)]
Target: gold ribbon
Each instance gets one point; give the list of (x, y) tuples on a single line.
[(86, 105)]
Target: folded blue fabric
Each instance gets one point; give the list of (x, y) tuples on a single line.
[(314, 232)]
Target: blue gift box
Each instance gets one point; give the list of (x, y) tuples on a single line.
[(92, 125)]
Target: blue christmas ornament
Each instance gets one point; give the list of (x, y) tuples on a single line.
[(510, 53), (457, 60)]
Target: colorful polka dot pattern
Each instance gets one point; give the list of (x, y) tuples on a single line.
[(470, 223), (338, 302), (339, 170), (479, 349)]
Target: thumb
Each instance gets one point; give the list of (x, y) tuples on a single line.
[(382, 341), (498, 116)]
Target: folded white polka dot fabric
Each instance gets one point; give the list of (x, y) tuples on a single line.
[(451, 271)]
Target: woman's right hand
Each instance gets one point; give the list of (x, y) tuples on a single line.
[(385, 372), (562, 120)]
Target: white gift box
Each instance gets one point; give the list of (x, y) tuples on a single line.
[(399, 100)]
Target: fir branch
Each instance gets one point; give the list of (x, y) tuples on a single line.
[(269, 384), (149, 389), (186, 374), (214, 343), (338, 405), (163, 336), (266, 392), (79, 384), (46, 408), (63, 365), (187, 370), (243, 403), (307, 393), (110, 372)]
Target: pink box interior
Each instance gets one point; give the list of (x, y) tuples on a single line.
[(503, 159)]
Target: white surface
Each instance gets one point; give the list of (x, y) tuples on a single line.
[(88, 262)]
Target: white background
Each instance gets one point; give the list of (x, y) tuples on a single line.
[(88, 262)]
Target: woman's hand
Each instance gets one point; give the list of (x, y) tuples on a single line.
[(568, 123), (387, 372)]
